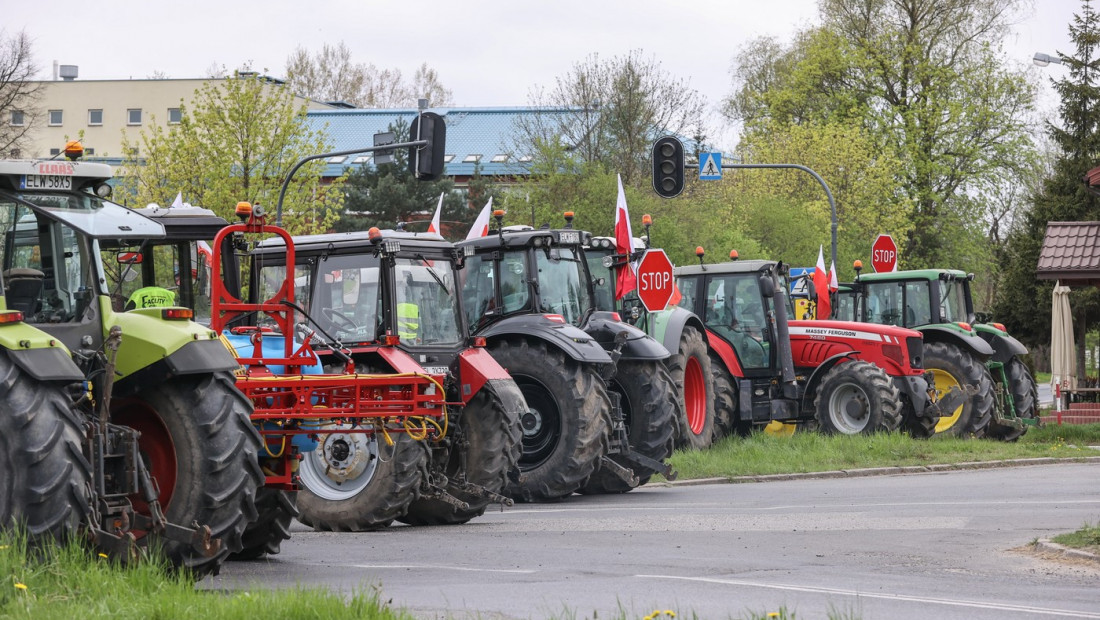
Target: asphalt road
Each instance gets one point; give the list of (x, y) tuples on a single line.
[(941, 545)]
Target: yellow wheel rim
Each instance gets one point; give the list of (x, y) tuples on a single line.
[(944, 382), (779, 429)]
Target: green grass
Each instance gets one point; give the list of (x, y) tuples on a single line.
[(1087, 538), (68, 582), (806, 452), (1042, 377)]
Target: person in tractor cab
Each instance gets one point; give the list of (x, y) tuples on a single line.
[(408, 321)]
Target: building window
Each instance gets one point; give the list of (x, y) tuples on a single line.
[(362, 159), (499, 159), (89, 151), (17, 117), (133, 116), (55, 151), (339, 159), (174, 116), (15, 153), (56, 117), (448, 159), (472, 159), (95, 117), (525, 158)]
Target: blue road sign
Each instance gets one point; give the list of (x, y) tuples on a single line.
[(710, 166)]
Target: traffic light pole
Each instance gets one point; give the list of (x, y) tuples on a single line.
[(825, 186)]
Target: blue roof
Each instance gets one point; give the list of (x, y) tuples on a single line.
[(486, 132)]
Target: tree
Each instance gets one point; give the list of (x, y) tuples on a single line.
[(19, 96), (925, 79), (1062, 196), (331, 75), (235, 141), (611, 112), (388, 194)]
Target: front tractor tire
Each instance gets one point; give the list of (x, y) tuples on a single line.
[(690, 369), (356, 482), (199, 444), (45, 479), (954, 366), (566, 424), (1025, 400), (484, 448), (276, 511), (647, 396), (856, 397)]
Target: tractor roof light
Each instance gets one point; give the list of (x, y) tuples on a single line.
[(568, 219), (103, 190), (391, 246), (647, 220), (374, 234), (74, 150), (244, 210), (699, 253), (468, 250), (734, 255)]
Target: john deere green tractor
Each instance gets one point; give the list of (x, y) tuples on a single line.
[(982, 358), (122, 424)]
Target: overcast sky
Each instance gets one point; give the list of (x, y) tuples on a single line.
[(488, 52)]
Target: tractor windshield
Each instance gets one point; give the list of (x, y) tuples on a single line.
[(346, 301), (734, 309), (603, 279), (427, 307), (563, 283), (906, 304), (479, 286)]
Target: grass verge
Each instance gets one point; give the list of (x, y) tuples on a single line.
[(69, 582), (804, 452), (1086, 539)]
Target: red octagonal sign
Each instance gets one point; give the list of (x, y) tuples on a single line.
[(884, 254), (655, 280)]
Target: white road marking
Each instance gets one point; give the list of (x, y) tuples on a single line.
[(1047, 611), (469, 569)]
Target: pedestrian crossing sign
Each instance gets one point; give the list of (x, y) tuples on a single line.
[(710, 166)]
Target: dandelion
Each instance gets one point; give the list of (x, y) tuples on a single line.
[(103, 555), (773, 614), (20, 586)]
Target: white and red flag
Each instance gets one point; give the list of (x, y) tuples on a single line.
[(625, 280), (434, 225), (481, 224), (821, 286)]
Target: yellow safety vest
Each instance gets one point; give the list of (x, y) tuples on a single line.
[(408, 320), (151, 297)]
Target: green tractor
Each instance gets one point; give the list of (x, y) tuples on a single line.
[(958, 350), (124, 425)]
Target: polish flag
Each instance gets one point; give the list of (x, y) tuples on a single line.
[(834, 285), (821, 285), (481, 224), (434, 226), (625, 280)]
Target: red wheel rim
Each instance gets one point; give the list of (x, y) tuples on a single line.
[(156, 448), (695, 395)]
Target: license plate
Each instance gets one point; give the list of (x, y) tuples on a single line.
[(569, 237), (45, 181), (435, 370)]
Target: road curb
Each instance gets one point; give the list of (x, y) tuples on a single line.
[(1069, 552), (881, 471)]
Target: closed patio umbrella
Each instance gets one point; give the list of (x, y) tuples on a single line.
[(1063, 352)]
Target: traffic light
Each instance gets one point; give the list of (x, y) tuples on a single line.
[(668, 167), (426, 162)]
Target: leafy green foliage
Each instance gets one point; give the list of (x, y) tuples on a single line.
[(237, 141)]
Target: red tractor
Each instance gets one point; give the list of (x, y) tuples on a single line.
[(848, 377)]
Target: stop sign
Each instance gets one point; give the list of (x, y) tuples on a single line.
[(884, 254), (655, 280)]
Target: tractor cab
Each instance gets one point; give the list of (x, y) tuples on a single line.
[(376, 288), (519, 270), (915, 298)]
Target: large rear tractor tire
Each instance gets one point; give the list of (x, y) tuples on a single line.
[(691, 373), (355, 482), (266, 534), (857, 398), (44, 477), (485, 447), (650, 413), (199, 444), (1025, 400), (953, 366), (567, 422)]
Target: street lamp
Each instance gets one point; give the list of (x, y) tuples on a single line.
[(1041, 60)]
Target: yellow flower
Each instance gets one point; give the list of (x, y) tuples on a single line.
[(773, 614), (670, 613), (103, 555), (20, 586), (4, 546)]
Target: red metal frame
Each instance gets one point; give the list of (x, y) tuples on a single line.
[(295, 403)]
